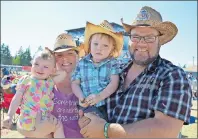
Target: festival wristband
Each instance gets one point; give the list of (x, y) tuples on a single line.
[(106, 126)]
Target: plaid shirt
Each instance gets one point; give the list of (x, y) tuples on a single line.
[(160, 87), (93, 79)]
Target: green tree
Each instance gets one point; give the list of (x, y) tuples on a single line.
[(27, 57), (6, 57), (16, 60), (40, 48)]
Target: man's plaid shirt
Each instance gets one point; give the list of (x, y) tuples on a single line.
[(160, 87)]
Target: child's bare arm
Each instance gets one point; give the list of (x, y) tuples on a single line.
[(15, 103), (111, 87), (59, 76), (77, 90)]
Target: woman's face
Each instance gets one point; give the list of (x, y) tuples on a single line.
[(66, 60)]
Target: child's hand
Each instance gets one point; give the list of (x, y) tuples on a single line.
[(83, 103), (59, 76), (93, 99), (7, 123)]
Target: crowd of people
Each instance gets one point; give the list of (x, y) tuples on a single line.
[(98, 97)]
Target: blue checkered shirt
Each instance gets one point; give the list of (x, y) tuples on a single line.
[(93, 79), (162, 87)]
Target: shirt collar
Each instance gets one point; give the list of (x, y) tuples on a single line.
[(151, 67), (89, 59)]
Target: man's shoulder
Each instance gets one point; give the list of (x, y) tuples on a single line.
[(168, 67)]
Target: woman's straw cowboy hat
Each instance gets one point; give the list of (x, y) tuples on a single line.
[(106, 28), (150, 17), (64, 42)]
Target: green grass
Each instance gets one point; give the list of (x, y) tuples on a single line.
[(190, 131)]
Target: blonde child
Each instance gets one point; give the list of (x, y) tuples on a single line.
[(34, 95), (96, 75)]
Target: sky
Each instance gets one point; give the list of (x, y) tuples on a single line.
[(35, 23)]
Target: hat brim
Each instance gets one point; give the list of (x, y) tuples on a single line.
[(92, 29), (5, 86), (168, 30), (65, 49)]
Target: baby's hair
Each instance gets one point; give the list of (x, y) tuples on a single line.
[(114, 52), (45, 54)]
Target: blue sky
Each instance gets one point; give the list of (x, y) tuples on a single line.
[(38, 23)]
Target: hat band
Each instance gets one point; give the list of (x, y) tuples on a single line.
[(63, 47), (143, 25)]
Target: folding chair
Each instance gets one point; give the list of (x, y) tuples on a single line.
[(5, 104)]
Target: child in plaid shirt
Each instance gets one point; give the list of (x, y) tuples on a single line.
[(97, 74)]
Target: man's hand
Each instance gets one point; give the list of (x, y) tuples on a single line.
[(83, 121), (7, 123), (93, 99), (95, 129)]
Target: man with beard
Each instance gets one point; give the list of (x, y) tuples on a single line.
[(154, 96)]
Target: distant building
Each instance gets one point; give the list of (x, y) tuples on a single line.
[(192, 70), (78, 35)]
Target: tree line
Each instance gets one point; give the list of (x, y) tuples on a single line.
[(22, 57)]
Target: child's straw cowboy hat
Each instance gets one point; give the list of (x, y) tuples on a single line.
[(105, 28)]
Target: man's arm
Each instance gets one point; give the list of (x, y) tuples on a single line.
[(161, 126), (158, 127)]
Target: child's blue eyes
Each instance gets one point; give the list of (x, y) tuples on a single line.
[(38, 64)]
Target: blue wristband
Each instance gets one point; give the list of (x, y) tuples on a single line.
[(106, 126)]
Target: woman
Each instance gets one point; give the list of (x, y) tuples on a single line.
[(65, 102)]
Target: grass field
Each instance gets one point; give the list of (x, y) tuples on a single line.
[(188, 131)]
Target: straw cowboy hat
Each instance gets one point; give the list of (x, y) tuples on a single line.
[(6, 82), (64, 42), (106, 28), (150, 17)]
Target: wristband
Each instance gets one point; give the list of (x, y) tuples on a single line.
[(106, 126)]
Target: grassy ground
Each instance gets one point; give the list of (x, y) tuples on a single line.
[(188, 131)]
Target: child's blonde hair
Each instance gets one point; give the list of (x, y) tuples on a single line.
[(114, 52), (45, 54)]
